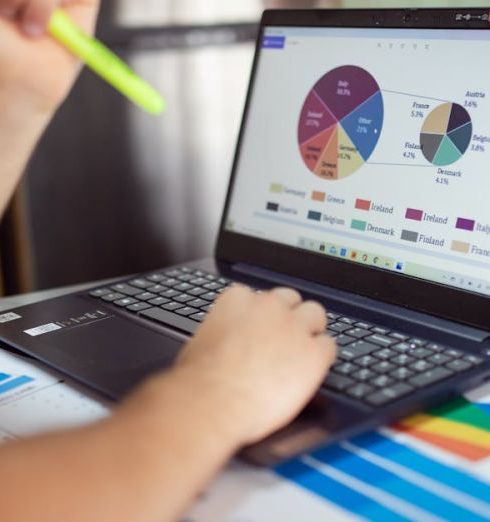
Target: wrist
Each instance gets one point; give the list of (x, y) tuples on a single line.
[(187, 402)]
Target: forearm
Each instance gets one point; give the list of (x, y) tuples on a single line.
[(147, 463), (20, 129)]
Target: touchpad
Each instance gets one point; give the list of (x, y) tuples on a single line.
[(112, 355)]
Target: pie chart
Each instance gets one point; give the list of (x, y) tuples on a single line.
[(446, 134), (340, 122)]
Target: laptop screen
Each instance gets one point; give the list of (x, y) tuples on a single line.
[(371, 146)]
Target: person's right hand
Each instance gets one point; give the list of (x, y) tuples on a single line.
[(263, 355), (36, 72)]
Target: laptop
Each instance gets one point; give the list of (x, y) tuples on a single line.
[(360, 179)]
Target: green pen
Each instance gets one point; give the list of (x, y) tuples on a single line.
[(105, 63)]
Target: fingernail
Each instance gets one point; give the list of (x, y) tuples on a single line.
[(33, 30)]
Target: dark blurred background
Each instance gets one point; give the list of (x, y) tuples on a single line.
[(112, 191)]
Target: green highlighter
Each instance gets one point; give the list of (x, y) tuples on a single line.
[(105, 63)]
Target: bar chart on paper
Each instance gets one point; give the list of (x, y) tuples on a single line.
[(33, 400), (341, 122)]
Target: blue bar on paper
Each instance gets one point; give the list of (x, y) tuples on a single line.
[(411, 459), (15, 383), (274, 42), (358, 467), (4, 376), (322, 485)]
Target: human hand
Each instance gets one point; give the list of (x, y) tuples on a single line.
[(36, 72), (263, 355)]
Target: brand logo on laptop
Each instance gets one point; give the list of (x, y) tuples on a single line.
[(467, 17)]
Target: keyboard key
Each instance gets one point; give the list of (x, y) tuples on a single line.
[(170, 319), (100, 292), (156, 289), (141, 283), (360, 391), (347, 320), (213, 286), (338, 382), (439, 358), (399, 336), (338, 327), (199, 273), (198, 281), (357, 349), (366, 361), (421, 366), (196, 292), (430, 377), (155, 278), (381, 340), (345, 368), (125, 289), (159, 301), (209, 296), (382, 381), (200, 316), (138, 307), (185, 269), (169, 282), (389, 394), (473, 359), (172, 306), (183, 298), (421, 353), (380, 331), (332, 316), (363, 325), (187, 310), (343, 340), (364, 375), (401, 347), (383, 367), (186, 278), (358, 333), (207, 308), (454, 353), (417, 342), (197, 303), (435, 347), (170, 293), (146, 296), (403, 359), (114, 296), (172, 273), (183, 287), (126, 301), (401, 374), (459, 365), (385, 354)]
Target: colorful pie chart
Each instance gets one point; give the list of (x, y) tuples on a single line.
[(446, 134), (341, 122)]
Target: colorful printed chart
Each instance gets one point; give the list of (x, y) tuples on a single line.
[(446, 134), (341, 122)]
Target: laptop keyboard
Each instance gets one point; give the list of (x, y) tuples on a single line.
[(375, 365)]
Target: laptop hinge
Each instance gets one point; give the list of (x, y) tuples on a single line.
[(392, 311)]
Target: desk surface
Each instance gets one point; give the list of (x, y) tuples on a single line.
[(438, 469)]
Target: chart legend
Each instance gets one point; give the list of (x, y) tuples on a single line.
[(341, 122)]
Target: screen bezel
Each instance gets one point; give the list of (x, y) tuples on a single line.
[(395, 288)]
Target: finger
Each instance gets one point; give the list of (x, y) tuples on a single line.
[(328, 347), (35, 16), (291, 297), (10, 8), (313, 316)]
